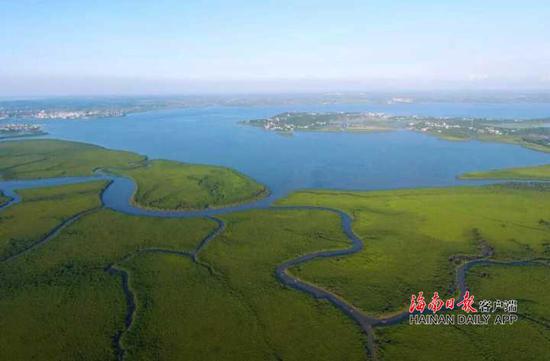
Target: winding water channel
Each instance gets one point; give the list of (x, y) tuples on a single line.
[(118, 196)]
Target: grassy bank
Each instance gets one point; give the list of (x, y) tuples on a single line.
[(526, 173), (44, 158)]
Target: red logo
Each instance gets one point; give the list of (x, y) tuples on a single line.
[(418, 303), (467, 303)]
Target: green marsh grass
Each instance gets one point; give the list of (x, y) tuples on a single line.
[(173, 185), (529, 173), (45, 158), (59, 303), (294, 325), (414, 239), (25, 223)]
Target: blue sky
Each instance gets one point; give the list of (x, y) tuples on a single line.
[(113, 46)]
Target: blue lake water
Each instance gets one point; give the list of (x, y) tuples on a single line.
[(313, 159)]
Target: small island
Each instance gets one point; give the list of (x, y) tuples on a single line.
[(533, 133), (20, 130), (312, 121)]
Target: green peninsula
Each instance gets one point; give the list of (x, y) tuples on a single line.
[(166, 184), (161, 184), (524, 173)]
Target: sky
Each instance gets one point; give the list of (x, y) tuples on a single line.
[(75, 47)]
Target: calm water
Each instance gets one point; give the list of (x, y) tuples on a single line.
[(311, 160)]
